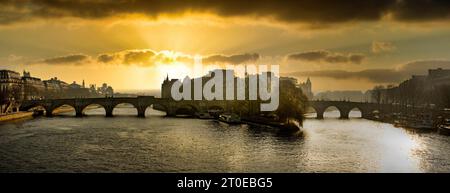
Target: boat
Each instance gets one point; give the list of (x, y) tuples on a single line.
[(204, 115), (230, 118), (421, 121), (215, 113), (444, 128), (414, 121), (399, 120)]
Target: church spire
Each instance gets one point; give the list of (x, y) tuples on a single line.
[(246, 74)]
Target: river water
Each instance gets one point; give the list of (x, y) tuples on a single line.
[(156, 143)]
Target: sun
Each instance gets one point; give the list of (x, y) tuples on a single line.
[(172, 55), (174, 70)]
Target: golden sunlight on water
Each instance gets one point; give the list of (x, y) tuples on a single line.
[(380, 146), (156, 143)]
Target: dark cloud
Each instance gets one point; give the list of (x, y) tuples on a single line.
[(394, 75), (421, 10), (68, 59), (374, 75), (233, 59), (149, 57), (106, 58), (309, 11), (326, 56), (138, 57), (144, 57)]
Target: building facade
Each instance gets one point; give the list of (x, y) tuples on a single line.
[(32, 87), (15, 87), (10, 85), (432, 89)]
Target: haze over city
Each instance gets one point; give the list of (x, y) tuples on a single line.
[(134, 44)]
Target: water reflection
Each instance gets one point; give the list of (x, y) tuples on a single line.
[(160, 144)]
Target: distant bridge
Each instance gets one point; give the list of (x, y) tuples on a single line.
[(344, 107), (173, 108)]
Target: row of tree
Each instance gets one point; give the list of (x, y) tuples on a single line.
[(414, 94)]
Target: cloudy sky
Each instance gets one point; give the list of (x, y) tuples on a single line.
[(133, 44)]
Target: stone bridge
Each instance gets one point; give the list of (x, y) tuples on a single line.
[(172, 108), (367, 109), (141, 103)]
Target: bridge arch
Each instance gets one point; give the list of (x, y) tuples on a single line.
[(311, 112), (29, 107), (332, 114), (37, 106), (155, 109), (121, 107), (80, 110), (355, 112), (61, 108)]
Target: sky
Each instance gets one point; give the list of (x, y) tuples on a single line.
[(134, 44)]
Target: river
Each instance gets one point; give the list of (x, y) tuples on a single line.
[(156, 143)]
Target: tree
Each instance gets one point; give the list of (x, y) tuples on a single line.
[(293, 102), (377, 93), (241, 107)]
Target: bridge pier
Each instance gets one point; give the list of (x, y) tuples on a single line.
[(48, 112), (171, 112), (319, 115), (108, 111), (78, 111), (141, 112), (365, 115), (344, 113)]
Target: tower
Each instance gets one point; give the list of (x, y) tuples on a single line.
[(165, 88), (246, 70), (26, 74), (83, 85), (308, 85)]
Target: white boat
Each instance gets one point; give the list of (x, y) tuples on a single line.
[(230, 118), (444, 128)]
